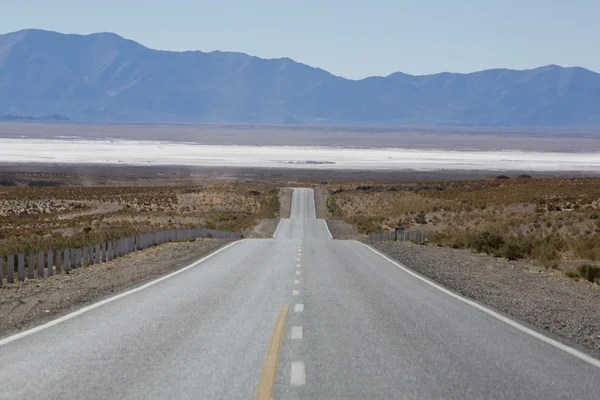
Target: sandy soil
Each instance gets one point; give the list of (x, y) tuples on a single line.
[(544, 298), (29, 303)]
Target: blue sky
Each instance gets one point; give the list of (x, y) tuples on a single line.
[(350, 38)]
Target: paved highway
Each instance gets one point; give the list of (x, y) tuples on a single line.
[(358, 327)]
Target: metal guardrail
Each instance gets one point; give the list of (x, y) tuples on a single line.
[(52, 261), (399, 235)]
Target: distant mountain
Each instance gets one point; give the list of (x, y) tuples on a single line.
[(103, 77), (53, 117)]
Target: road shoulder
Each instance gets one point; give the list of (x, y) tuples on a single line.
[(30, 303), (543, 298)]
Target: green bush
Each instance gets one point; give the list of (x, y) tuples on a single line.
[(589, 272), (572, 273)]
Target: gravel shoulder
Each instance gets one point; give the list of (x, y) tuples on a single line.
[(285, 203), (321, 194), (264, 229), (34, 302), (343, 230), (543, 298)]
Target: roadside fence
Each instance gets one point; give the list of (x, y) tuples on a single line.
[(400, 235), (53, 261)]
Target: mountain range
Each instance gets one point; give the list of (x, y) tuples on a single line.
[(104, 77)]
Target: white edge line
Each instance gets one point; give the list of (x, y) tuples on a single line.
[(83, 310), (277, 230), (327, 227), (567, 349)]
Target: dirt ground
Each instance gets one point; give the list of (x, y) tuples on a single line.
[(544, 298), (33, 302)]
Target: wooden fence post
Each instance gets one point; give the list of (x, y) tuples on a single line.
[(1, 271), (66, 266), (31, 265), (50, 262), (97, 253), (21, 267), (91, 254), (41, 263), (58, 260), (86, 258), (10, 272), (103, 252), (110, 250), (73, 253), (79, 257)]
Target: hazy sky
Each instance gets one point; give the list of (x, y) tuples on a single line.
[(351, 38)]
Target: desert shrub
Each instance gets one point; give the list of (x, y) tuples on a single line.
[(546, 250), (488, 242), (512, 251), (365, 225), (572, 273), (589, 272), (421, 218), (587, 247)]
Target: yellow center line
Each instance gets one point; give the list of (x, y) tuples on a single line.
[(269, 374)]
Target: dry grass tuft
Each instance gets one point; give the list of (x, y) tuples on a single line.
[(34, 218), (553, 221)]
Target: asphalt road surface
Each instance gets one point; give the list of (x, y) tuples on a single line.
[(358, 327)]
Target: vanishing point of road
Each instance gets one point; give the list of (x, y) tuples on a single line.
[(300, 316)]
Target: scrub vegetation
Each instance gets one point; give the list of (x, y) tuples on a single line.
[(555, 222), (34, 218)]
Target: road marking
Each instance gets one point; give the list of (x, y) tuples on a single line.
[(297, 332), (295, 292), (297, 259), (297, 272), (298, 374), (109, 300), (299, 308), (567, 349), (269, 374), (297, 281), (327, 227), (277, 230), (298, 265)]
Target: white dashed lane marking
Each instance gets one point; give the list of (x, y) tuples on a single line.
[(298, 375), (299, 308), (297, 281), (295, 292), (297, 272), (297, 332)]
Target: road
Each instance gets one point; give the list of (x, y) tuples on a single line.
[(358, 327)]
